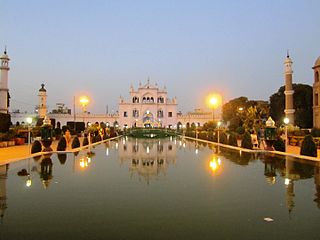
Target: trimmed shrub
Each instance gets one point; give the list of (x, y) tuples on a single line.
[(233, 140), (62, 144), (240, 130), (75, 143), (36, 147), (96, 138), (223, 138), (246, 141), (85, 141), (279, 145), (308, 147), (315, 132), (203, 135), (5, 122)]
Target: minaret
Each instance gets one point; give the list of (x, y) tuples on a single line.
[(42, 108), (4, 91), (289, 110)]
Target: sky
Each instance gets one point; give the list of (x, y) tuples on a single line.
[(194, 48)]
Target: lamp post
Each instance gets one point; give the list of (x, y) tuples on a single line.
[(214, 103), (29, 121), (84, 101), (286, 122), (219, 124)]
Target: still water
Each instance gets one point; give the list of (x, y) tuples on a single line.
[(160, 189)]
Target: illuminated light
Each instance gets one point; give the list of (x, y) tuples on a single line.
[(117, 145), (197, 151), (89, 160), (28, 182), (214, 100), (175, 142), (213, 165), (180, 143), (82, 164), (123, 141), (148, 150), (219, 123), (286, 120), (287, 181), (29, 120), (184, 145), (107, 152), (84, 100), (240, 108)]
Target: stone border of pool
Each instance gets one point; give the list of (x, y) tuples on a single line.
[(68, 151), (255, 151)]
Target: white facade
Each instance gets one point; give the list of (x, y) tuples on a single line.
[(148, 106), (4, 70)]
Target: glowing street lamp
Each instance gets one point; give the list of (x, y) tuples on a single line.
[(286, 122), (214, 101), (84, 101)]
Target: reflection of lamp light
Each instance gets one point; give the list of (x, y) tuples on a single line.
[(287, 181), (28, 182), (107, 152), (214, 164)]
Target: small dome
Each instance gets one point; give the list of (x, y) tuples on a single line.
[(317, 62), (42, 89)]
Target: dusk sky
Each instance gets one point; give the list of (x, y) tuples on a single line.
[(98, 48)]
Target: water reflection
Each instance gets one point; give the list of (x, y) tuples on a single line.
[(3, 189), (215, 163), (147, 159)]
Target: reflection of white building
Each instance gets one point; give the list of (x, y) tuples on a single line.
[(148, 106), (147, 158)]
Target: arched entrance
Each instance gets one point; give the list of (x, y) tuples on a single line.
[(148, 119)]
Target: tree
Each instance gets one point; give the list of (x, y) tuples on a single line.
[(302, 103), (243, 112), (246, 141)]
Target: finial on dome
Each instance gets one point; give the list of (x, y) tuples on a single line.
[(288, 53), (5, 49)]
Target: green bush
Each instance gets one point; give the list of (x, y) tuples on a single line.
[(240, 130), (246, 141), (97, 138), (232, 140), (223, 138), (75, 143), (203, 135), (308, 147), (36, 147), (85, 141), (279, 145), (62, 144), (5, 122), (315, 132)]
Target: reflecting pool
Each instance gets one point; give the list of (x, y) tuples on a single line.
[(160, 189)]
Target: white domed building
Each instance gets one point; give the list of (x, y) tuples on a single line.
[(148, 106)]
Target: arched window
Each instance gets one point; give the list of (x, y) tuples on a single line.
[(143, 99)]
